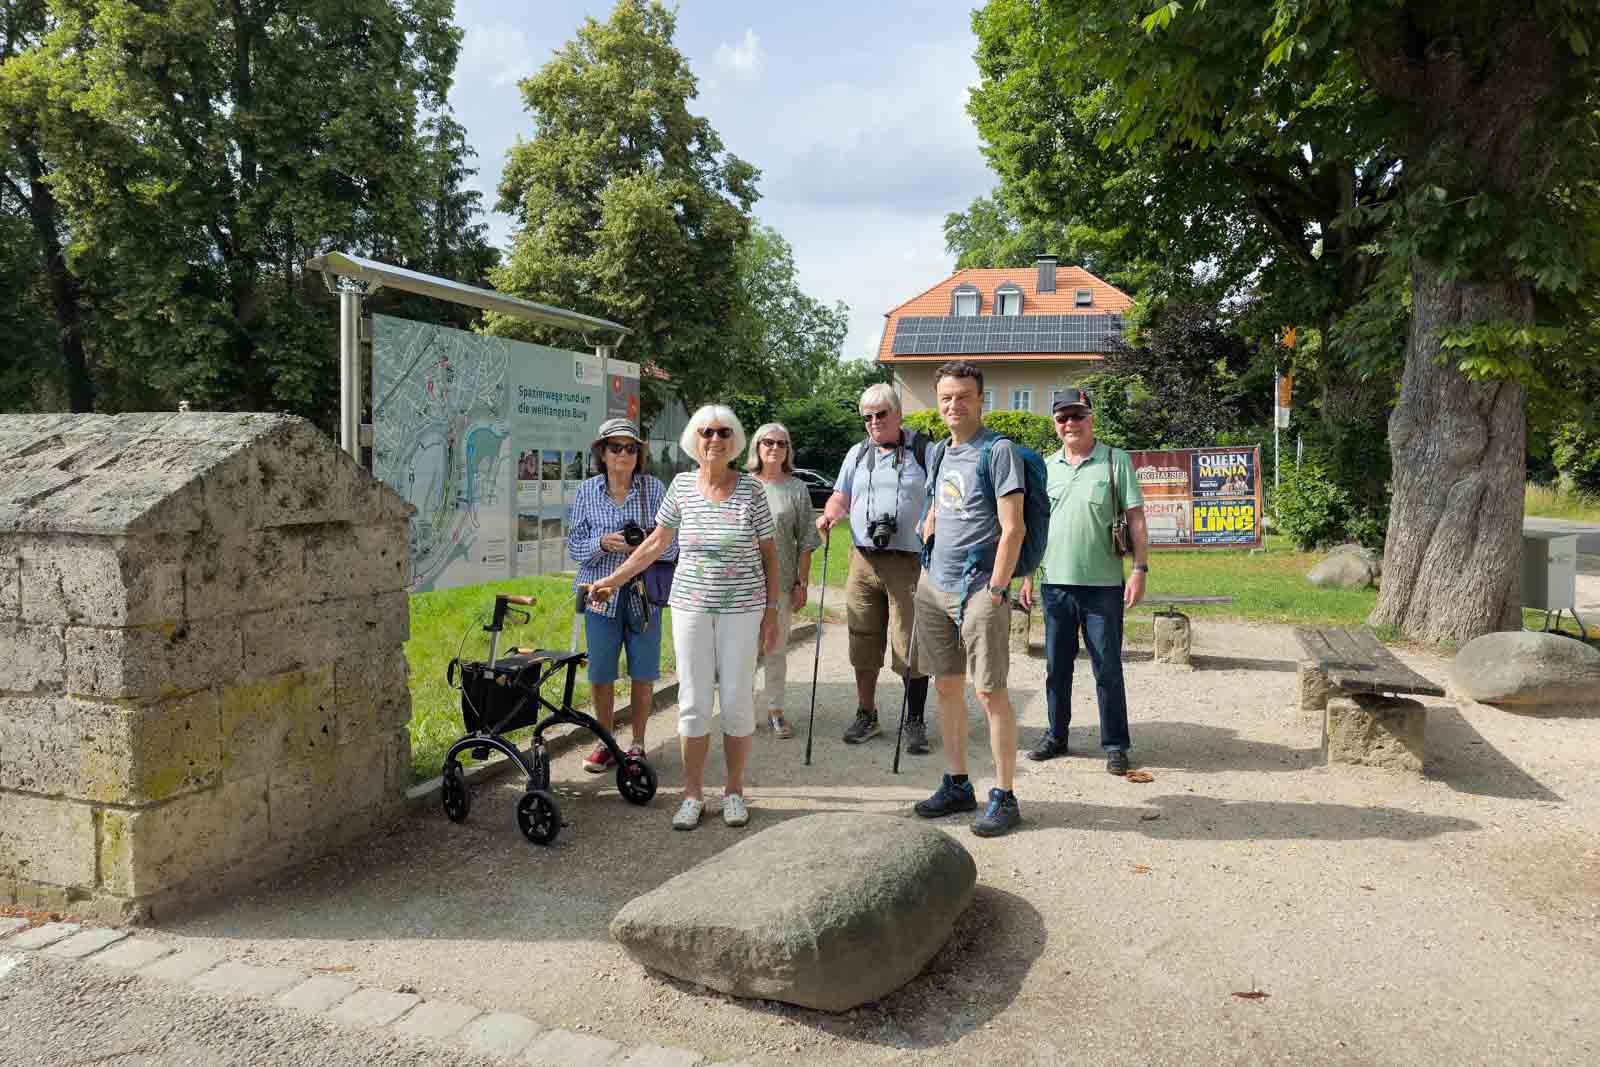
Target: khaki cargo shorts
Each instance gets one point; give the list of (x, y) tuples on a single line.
[(879, 596), (980, 648)]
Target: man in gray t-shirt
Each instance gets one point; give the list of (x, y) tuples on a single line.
[(963, 610)]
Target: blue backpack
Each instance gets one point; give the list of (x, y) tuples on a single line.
[(1035, 506)]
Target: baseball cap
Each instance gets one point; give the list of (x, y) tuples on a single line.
[(1072, 398), (619, 428)]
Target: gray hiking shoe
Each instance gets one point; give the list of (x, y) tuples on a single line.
[(916, 737), (865, 727), (1000, 817)]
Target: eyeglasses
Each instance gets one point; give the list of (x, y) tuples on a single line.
[(773, 443), (708, 432), (874, 416), (627, 447), (1071, 416)]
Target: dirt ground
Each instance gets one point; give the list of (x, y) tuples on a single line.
[(1453, 917)]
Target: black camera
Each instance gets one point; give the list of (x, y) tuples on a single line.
[(633, 533), (881, 530)]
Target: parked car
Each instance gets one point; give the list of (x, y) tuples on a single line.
[(819, 487)]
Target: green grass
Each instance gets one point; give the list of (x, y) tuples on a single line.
[(438, 622), (1548, 502), (838, 557)]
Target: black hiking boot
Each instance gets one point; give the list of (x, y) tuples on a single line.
[(950, 798)]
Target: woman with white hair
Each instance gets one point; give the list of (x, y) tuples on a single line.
[(725, 599), (795, 538)]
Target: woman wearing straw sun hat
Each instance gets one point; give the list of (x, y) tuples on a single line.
[(610, 518)]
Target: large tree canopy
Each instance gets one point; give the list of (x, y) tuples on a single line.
[(627, 205), (1341, 158)]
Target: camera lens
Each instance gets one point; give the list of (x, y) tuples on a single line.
[(633, 534)]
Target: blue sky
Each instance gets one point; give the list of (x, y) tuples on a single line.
[(854, 111)]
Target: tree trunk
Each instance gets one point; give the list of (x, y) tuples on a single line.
[(65, 296), (1452, 561)]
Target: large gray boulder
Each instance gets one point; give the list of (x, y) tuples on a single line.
[(1347, 567), (826, 911), (1527, 668)]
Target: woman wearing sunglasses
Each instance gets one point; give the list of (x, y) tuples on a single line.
[(795, 538), (619, 502), (724, 602)]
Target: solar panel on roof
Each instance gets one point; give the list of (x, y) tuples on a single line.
[(951, 335)]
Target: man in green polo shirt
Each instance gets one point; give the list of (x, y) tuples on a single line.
[(1082, 586)]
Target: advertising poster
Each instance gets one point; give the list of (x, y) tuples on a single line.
[(1201, 497)]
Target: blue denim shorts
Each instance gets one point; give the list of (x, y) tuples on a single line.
[(607, 639)]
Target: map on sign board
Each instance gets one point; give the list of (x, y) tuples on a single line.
[(487, 438)]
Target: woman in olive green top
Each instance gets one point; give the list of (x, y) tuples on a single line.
[(795, 536)]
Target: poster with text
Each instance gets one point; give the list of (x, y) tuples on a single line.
[(1200, 497)]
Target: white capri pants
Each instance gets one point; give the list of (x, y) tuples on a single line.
[(775, 668), (716, 651)]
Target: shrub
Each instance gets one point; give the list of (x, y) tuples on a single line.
[(1312, 510), (821, 433), (928, 421), (1037, 432), (1575, 453)]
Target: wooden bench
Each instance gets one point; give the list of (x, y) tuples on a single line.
[(1173, 636), (1363, 696)]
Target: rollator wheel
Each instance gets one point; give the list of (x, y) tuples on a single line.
[(636, 780), (454, 795), (538, 816)]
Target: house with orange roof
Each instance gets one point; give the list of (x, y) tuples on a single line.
[(1034, 331)]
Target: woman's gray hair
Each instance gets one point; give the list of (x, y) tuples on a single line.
[(753, 463), (689, 439), (879, 395)]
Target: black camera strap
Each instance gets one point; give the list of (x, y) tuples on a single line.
[(899, 474)]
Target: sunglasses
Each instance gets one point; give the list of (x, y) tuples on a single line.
[(1071, 416), (628, 447), (708, 432), (770, 443), (874, 416)]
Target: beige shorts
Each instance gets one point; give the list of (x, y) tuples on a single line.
[(879, 597), (980, 647)]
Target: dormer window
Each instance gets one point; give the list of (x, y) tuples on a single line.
[(1084, 298), (964, 301), (1008, 300)]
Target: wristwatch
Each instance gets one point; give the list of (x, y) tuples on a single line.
[(1145, 567), (998, 592)]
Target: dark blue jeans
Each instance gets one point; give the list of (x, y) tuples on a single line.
[(1097, 611)]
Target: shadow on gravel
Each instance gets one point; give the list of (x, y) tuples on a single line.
[(1460, 757), (1183, 746), (1190, 817), (975, 977)]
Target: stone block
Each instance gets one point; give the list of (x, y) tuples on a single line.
[(373, 1007), (1375, 731), (1315, 688), (564, 1048), (137, 753), (246, 818), (103, 581), (284, 718), (232, 978), (344, 559), (85, 943), (47, 840), (146, 851), (183, 966), (34, 657), (302, 800), (293, 478), (152, 661), (1172, 637), (499, 1034), (435, 1020), (361, 781), (397, 758), (132, 954), (317, 993), (245, 571), (43, 936), (280, 641), (371, 693)]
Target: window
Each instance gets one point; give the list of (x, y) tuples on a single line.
[(1022, 400), (1008, 300), (1084, 298), (964, 301), (988, 401)]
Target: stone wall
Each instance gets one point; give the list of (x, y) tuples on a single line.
[(202, 674)]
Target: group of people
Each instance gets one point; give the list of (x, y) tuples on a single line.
[(936, 529)]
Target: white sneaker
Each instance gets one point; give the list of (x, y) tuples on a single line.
[(734, 810), (688, 816)]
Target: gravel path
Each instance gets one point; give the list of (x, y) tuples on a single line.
[(1388, 919)]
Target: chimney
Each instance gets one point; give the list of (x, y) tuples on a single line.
[(1047, 273)]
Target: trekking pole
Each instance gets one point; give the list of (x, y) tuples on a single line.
[(822, 597), (905, 686)]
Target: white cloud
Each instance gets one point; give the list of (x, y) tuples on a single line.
[(743, 61), (496, 53)]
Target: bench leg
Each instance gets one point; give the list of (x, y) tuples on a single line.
[(1172, 639), (1315, 689), (1375, 731)]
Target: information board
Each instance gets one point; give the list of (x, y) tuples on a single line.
[(1201, 497)]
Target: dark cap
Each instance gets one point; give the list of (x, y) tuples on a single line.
[(1072, 398)]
